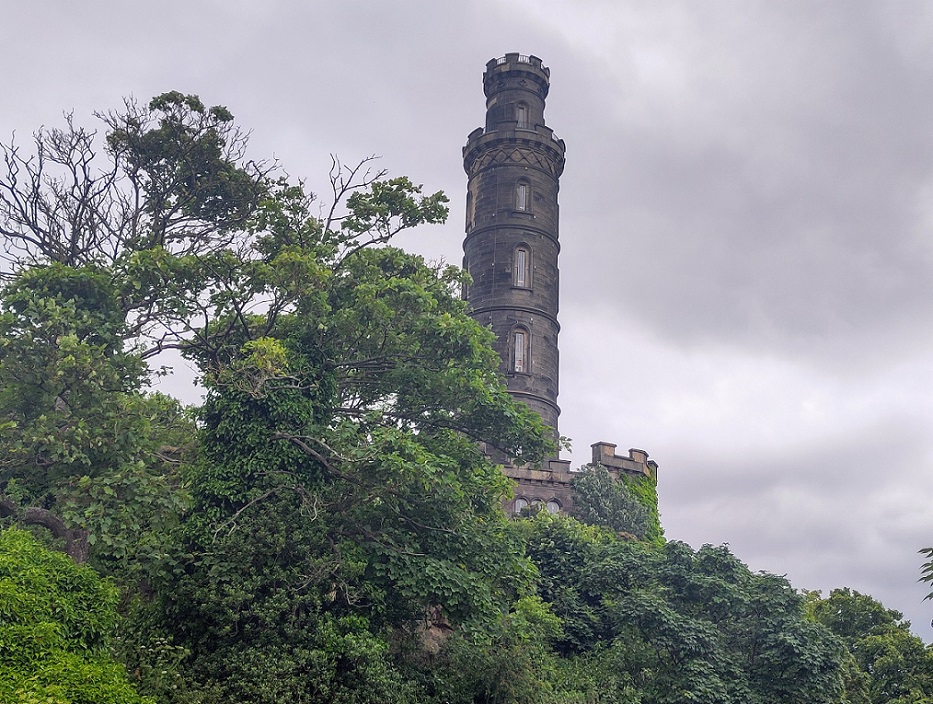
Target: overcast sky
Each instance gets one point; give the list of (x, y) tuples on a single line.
[(746, 221)]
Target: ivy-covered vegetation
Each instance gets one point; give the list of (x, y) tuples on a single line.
[(325, 528), (626, 503), (56, 619)]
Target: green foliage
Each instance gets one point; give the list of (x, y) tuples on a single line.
[(64, 375), (105, 247), (81, 439), (627, 504), (332, 505), (182, 160), (55, 621), (338, 471), (645, 490), (676, 625), (511, 663), (110, 250), (893, 665), (852, 616), (600, 499)]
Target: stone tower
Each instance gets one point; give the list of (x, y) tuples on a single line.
[(513, 166)]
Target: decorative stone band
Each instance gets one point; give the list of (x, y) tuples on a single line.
[(477, 313), (535, 397), (497, 148), (522, 157)]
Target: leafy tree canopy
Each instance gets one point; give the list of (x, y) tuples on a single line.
[(90, 234), (337, 488), (893, 665), (676, 625), (339, 473), (604, 500)]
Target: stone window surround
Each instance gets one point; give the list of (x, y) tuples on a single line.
[(520, 350), (522, 270), (523, 196), (552, 506)]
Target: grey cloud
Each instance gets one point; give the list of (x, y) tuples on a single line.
[(784, 218)]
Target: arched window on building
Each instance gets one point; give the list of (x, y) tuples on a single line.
[(552, 506), (519, 506), (521, 116), (522, 196), (521, 357), (521, 266)]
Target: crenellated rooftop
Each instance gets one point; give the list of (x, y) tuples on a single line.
[(636, 462)]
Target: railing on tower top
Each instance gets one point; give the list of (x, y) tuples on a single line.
[(522, 59)]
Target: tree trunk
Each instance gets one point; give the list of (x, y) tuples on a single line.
[(76, 543)]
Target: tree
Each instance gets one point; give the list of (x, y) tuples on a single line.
[(673, 625), (603, 500), (339, 472), (56, 619), (895, 665), (338, 506), (83, 452), (98, 243), (514, 664), (170, 175)]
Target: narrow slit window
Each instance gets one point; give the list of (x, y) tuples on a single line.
[(465, 288), (521, 267), (521, 197), (519, 341), (521, 115)]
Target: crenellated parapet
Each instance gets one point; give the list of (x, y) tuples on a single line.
[(550, 486), (636, 462), (517, 72)]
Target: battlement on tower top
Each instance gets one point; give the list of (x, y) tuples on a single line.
[(515, 58), (515, 62)]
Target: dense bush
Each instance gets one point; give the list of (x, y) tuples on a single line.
[(56, 619)]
